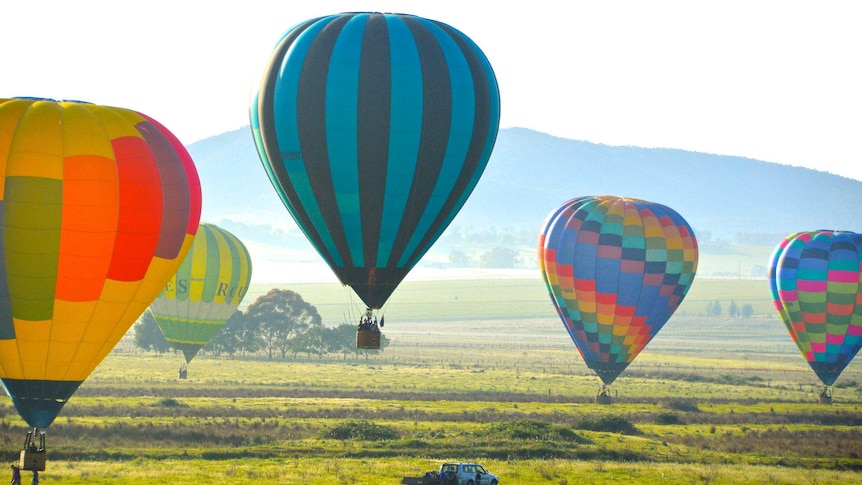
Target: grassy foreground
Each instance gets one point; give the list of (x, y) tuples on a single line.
[(316, 471), (711, 400), (238, 421)]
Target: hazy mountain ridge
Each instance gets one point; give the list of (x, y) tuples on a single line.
[(531, 173), (723, 195)]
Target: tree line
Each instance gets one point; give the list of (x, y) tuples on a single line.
[(277, 324), (715, 309)]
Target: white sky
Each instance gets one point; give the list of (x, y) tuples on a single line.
[(773, 80)]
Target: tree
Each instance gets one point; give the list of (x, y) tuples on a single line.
[(714, 309), (459, 258), (230, 338), (733, 310), (149, 336), (279, 318), (344, 339), (315, 340), (499, 257)]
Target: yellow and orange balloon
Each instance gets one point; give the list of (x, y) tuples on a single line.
[(98, 207)]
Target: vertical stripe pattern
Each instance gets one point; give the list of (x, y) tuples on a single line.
[(205, 292), (374, 129), (815, 279), (98, 206), (616, 269)]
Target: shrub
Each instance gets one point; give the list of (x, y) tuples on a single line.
[(685, 405), (359, 430), (737, 380), (610, 424), (668, 418), (170, 402), (846, 384), (533, 430)]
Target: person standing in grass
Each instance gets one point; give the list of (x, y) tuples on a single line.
[(35, 477), (16, 475)]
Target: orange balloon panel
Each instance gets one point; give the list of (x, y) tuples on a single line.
[(98, 207)]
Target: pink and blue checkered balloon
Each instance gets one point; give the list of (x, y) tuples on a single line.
[(816, 282)]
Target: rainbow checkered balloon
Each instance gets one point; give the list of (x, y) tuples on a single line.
[(815, 278), (616, 269)]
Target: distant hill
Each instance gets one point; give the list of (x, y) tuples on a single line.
[(531, 173)]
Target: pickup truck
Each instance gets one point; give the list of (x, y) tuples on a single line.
[(455, 474)]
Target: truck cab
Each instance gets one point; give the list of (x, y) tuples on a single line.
[(466, 474)]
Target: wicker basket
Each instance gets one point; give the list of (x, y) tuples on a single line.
[(603, 399), (367, 339), (32, 460)]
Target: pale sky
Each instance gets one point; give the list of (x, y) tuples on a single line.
[(779, 81)]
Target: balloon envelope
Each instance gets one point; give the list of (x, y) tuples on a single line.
[(616, 269), (815, 279), (205, 292), (98, 207), (374, 129)]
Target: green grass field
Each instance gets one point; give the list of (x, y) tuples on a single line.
[(238, 420), (479, 371), (502, 299)]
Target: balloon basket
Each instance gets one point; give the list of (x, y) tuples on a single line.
[(604, 395), (33, 457), (32, 460), (368, 339), (603, 399), (825, 396)]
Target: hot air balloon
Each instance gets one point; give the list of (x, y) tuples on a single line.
[(616, 269), (374, 129), (205, 292), (99, 206), (815, 279)]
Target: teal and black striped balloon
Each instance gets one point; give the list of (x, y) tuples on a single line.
[(816, 282), (374, 129)]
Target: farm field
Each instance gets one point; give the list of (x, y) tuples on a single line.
[(713, 399), (501, 296)]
